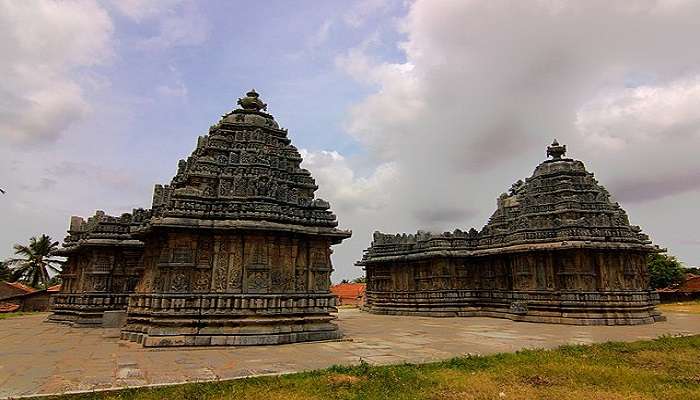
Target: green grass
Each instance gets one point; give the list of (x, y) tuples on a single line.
[(15, 314), (665, 368)]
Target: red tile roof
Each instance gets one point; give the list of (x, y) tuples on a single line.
[(691, 284), (21, 286), (349, 293), (8, 307), (54, 288)]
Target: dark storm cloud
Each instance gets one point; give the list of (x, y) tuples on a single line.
[(642, 189)]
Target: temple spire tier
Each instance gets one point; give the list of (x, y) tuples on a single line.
[(244, 169)]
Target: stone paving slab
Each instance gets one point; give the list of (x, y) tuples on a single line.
[(43, 358)]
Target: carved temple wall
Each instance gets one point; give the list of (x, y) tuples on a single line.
[(224, 288), (201, 262), (578, 286), (96, 279)]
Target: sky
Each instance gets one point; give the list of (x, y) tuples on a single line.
[(409, 114)]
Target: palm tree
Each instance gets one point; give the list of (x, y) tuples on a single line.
[(5, 272), (36, 262)]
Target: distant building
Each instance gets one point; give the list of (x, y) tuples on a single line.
[(24, 298), (688, 290), (349, 293), (12, 289)]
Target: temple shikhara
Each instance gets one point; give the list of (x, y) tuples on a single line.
[(556, 249), (235, 250)]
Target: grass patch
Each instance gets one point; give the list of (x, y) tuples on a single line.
[(690, 307), (16, 314), (665, 368)]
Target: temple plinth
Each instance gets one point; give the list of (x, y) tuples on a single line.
[(237, 251), (556, 249)]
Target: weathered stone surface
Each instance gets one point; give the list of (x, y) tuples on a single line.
[(114, 319), (103, 267), (555, 250), (237, 251)]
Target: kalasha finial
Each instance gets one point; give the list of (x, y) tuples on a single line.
[(555, 150), (252, 101)]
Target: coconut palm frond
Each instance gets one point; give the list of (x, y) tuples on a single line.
[(36, 262), (23, 250)]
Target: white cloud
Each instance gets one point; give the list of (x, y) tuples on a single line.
[(364, 9), (337, 180), (321, 36), (178, 90), (486, 85), (140, 10), (647, 114), (646, 137), (355, 199), (43, 45), (178, 22)]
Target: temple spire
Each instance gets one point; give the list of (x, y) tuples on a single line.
[(252, 102), (555, 150)]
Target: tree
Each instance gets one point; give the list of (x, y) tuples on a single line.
[(5, 272), (55, 280), (36, 262), (360, 279), (665, 271)]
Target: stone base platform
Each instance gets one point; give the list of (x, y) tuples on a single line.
[(173, 320), (565, 307), (85, 310)]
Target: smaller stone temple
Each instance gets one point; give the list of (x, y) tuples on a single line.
[(103, 267), (237, 251), (557, 249)]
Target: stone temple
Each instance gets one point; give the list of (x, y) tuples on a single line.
[(237, 249), (103, 267), (557, 249)]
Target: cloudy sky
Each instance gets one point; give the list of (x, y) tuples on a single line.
[(410, 115)]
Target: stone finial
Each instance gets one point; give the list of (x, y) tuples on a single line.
[(555, 150), (252, 102)]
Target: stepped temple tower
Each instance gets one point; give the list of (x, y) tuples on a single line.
[(103, 267), (556, 250), (237, 251)]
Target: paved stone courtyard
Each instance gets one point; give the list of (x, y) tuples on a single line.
[(38, 357)]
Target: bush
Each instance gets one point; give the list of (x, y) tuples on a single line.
[(665, 271)]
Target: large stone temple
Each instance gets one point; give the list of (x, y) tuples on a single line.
[(103, 266), (237, 250), (557, 249)]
